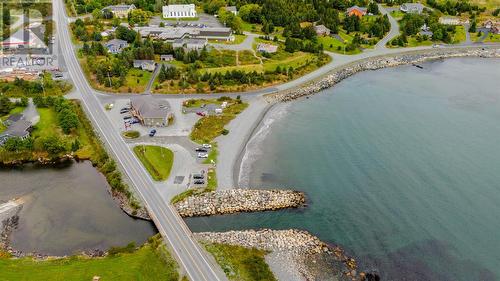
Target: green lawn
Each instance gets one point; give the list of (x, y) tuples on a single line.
[(247, 57), (137, 80), (156, 159), (492, 38), (145, 263), (459, 35), (212, 126), (397, 14), (48, 125), (240, 263)]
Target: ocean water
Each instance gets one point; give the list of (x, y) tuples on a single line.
[(401, 167)]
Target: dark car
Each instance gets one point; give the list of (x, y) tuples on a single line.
[(199, 182), (152, 133), (127, 117), (124, 111), (201, 149), (198, 176)]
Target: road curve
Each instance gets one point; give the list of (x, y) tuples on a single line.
[(193, 260)]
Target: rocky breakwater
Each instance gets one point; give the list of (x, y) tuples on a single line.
[(239, 200), (342, 72), (9, 218), (293, 254)]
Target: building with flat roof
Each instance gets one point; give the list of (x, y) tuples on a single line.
[(120, 11), (150, 112), (170, 34), (179, 11), (190, 44)]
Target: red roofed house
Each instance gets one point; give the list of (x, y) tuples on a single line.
[(357, 11)]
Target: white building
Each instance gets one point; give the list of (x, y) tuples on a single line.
[(179, 11)]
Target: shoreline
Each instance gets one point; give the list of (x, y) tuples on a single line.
[(326, 81)]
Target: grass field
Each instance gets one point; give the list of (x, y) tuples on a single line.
[(210, 127), (241, 264), (157, 160), (492, 38), (247, 57), (459, 35), (145, 263)]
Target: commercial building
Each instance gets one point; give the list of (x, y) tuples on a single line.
[(190, 44), (150, 112), (170, 34), (179, 11)]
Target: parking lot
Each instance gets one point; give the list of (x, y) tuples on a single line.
[(181, 126)]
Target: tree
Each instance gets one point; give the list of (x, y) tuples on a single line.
[(5, 105), (373, 8), (251, 13), (53, 145)]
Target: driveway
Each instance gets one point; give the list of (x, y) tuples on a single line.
[(393, 33)]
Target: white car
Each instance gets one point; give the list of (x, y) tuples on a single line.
[(202, 155), (206, 145)]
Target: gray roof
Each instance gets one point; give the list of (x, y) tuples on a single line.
[(116, 42), (412, 6), (14, 117), (149, 108), (19, 129), (120, 7), (231, 9)]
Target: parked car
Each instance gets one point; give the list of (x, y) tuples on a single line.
[(152, 133), (202, 155), (127, 117), (201, 113), (206, 146), (134, 121), (124, 111), (201, 149), (199, 182), (198, 176), (203, 106)]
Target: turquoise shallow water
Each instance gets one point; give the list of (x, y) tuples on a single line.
[(401, 167)]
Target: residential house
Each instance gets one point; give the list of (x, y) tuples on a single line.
[(150, 112), (148, 65), (116, 46), (414, 8), (449, 20), (267, 48), (232, 9), (166, 57), (322, 30), (356, 11), (179, 11), (120, 11), (19, 129), (425, 31), (190, 44)]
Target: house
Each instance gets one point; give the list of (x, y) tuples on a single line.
[(116, 46), (120, 11), (148, 65), (232, 9), (425, 31), (449, 20), (356, 11), (13, 119), (24, 39), (149, 112), (166, 57), (179, 11), (19, 129), (190, 44), (267, 48), (414, 8), (322, 30)]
